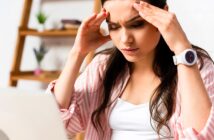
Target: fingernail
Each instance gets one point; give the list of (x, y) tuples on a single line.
[(105, 13)]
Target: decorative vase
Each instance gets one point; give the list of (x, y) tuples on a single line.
[(41, 27), (37, 71)]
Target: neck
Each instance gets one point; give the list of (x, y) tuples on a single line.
[(145, 65)]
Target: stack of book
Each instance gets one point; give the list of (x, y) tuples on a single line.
[(70, 23)]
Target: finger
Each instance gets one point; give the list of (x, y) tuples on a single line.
[(87, 21), (148, 16), (158, 13), (146, 7), (100, 18), (158, 17), (152, 14), (152, 20)]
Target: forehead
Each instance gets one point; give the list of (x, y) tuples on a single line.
[(120, 10)]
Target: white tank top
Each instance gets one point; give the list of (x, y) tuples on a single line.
[(131, 122)]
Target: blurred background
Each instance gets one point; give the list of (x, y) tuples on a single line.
[(196, 18)]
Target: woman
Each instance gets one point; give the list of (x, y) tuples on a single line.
[(136, 90)]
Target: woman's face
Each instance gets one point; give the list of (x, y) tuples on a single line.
[(131, 34)]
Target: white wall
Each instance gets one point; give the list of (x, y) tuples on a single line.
[(10, 17), (196, 17), (197, 20)]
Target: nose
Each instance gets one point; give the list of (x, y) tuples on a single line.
[(126, 37)]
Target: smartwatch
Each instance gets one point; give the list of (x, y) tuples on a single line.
[(187, 57)]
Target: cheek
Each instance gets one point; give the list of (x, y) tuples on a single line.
[(148, 38)]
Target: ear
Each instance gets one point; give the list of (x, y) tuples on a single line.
[(166, 7)]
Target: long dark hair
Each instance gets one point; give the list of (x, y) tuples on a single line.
[(163, 67)]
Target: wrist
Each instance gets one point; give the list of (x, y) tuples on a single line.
[(180, 48), (77, 52)]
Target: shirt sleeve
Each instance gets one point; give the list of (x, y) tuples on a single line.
[(207, 133), (85, 89)]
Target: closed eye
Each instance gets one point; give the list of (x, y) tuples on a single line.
[(133, 25), (137, 24)]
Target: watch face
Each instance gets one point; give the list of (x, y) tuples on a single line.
[(190, 57)]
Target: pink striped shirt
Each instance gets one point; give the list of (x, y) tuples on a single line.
[(88, 91)]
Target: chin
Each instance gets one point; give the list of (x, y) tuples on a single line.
[(131, 59)]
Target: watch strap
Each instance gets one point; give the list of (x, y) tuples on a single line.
[(181, 58)]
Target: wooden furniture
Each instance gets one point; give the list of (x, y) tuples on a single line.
[(23, 31)]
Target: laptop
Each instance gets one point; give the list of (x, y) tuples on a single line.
[(29, 115)]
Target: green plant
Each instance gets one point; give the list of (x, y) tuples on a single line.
[(41, 17), (39, 53)]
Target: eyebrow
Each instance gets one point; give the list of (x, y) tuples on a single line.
[(131, 20)]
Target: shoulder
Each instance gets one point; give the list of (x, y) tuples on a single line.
[(98, 65), (100, 59), (99, 62)]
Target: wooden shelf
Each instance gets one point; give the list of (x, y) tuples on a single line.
[(24, 32), (52, 33), (45, 76)]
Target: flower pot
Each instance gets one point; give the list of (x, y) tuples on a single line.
[(41, 27), (37, 71)]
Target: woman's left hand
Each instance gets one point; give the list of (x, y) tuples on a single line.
[(166, 23)]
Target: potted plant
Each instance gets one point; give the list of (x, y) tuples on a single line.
[(41, 18), (39, 55)]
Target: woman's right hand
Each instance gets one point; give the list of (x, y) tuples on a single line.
[(89, 37)]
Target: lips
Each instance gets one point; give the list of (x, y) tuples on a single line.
[(130, 51)]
